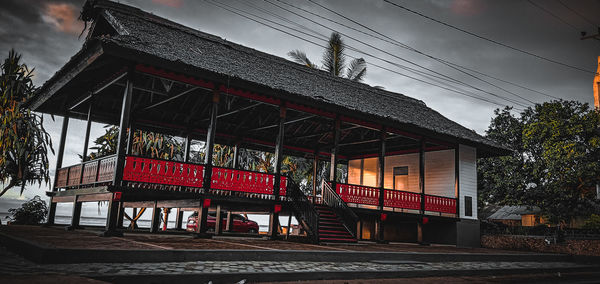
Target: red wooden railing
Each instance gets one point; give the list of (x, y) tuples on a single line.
[(155, 171), (246, 181), (394, 198), (95, 171), (440, 204), (163, 172), (358, 194), (402, 199)]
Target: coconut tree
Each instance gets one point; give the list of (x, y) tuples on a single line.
[(24, 142), (334, 60)]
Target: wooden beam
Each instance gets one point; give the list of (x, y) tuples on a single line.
[(278, 124), (183, 93), (95, 197), (59, 160), (123, 125)]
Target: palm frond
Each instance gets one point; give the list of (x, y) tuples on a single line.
[(301, 58), (334, 58), (357, 70)]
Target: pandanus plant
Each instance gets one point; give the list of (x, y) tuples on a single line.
[(24, 142)]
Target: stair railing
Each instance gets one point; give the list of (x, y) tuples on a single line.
[(303, 209), (340, 208)]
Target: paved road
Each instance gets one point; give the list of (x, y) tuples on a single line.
[(12, 264)]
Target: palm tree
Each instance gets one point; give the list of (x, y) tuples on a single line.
[(334, 60)]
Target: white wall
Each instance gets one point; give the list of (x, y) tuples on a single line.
[(468, 178), (439, 173), (409, 160)]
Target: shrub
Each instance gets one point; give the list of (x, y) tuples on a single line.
[(539, 230), (32, 212)]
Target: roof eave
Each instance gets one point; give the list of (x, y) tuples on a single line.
[(90, 52)]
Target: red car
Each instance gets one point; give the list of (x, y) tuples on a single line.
[(240, 223)]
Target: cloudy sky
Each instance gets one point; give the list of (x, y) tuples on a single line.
[(47, 34)]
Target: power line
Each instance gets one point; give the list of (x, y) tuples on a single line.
[(400, 58), (397, 43), (490, 40), (375, 65), (405, 46), (552, 14), (578, 14)]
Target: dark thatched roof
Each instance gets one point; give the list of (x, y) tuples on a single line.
[(146, 34)]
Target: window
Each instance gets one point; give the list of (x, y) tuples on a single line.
[(401, 178), (468, 206)]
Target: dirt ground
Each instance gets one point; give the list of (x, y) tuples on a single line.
[(88, 238)]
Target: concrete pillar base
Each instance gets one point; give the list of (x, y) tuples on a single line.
[(111, 233)]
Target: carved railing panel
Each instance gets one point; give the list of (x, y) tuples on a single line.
[(402, 199), (440, 204)]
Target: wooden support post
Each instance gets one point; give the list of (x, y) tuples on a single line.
[(218, 221), (457, 178), (123, 125), (76, 216), (59, 159), (334, 153), (201, 221), (111, 217), (133, 224), (210, 142), (155, 223), (229, 223), (314, 175), (422, 189), (289, 226), (235, 155), (121, 215), (166, 219), (359, 227), (420, 232), (86, 141), (381, 180), (186, 148), (422, 174), (274, 222), (179, 219)]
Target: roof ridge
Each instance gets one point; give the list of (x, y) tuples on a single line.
[(148, 16)]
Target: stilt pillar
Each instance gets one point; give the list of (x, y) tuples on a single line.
[(59, 160), (111, 219), (179, 219), (274, 219), (229, 223), (201, 221), (155, 218), (218, 221), (76, 215)]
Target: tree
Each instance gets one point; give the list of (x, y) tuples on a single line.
[(555, 164), (145, 144), (24, 142), (334, 60), (31, 212)]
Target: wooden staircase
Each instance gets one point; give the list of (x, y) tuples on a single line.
[(331, 227)]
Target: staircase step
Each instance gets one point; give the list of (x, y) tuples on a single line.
[(341, 236), (338, 240), (333, 231)]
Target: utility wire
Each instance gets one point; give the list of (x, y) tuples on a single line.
[(395, 56), (324, 38), (220, 5), (594, 25), (490, 40), (553, 15), (400, 44)]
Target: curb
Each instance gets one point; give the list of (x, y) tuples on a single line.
[(321, 275), (50, 255)]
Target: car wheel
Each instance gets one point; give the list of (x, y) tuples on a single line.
[(252, 231)]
